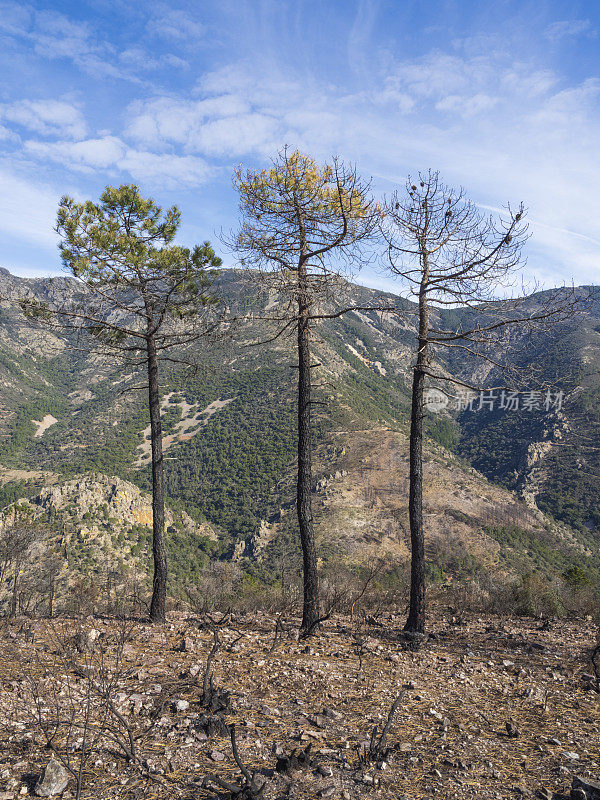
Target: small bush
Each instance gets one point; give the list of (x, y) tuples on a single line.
[(536, 597)]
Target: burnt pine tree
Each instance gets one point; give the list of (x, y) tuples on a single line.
[(302, 227), (139, 297), (449, 254), (17, 537)]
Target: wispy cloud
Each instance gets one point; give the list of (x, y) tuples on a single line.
[(52, 35), (142, 59), (242, 111), (503, 127), (568, 28), (176, 25), (225, 125), (502, 114), (15, 18), (27, 210), (164, 169), (112, 154), (46, 117), (88, 155)]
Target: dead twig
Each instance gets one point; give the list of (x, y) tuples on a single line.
[(247, 788), (377, 750)]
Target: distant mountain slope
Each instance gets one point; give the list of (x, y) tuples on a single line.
[(231, 429), (552, 456), (224, 463)]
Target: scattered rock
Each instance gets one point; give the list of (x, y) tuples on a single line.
[(324, 771), (329, 791), (187, 645), (84, 641), (293, 762), (54, 780), (448, 738), (589, 788)]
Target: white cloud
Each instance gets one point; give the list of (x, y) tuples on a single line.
[(47, 117), (569, 108), (27, 210), (237, 135), (140, 58), (467, 106), (224, 125), (87, 155), (568, 28), (53, 35), (7, 135), (112, 154), (502, 127), (454, 82), (521, 81), (439, 74), (177, 120), (176, 25), (56, 36), (168, 171), (15, 18)]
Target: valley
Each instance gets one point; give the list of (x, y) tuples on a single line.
[(496, 481)]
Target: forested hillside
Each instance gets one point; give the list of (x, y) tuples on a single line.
[(230, 431)]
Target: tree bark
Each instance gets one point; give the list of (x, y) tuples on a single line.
[(310, 610), (15, 591), (159, 548), (51, 600), (416, 616)]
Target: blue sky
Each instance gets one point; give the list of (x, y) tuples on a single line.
[(502, 97)]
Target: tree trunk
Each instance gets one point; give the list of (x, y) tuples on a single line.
[(416, 616), (15, 591), (310, 611), (51, 600), (159, 549)]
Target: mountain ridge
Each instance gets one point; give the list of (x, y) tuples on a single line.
[(230, 462)]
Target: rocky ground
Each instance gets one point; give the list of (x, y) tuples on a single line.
[(489, 708)]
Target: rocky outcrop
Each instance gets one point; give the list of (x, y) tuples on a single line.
[(104, 499)]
